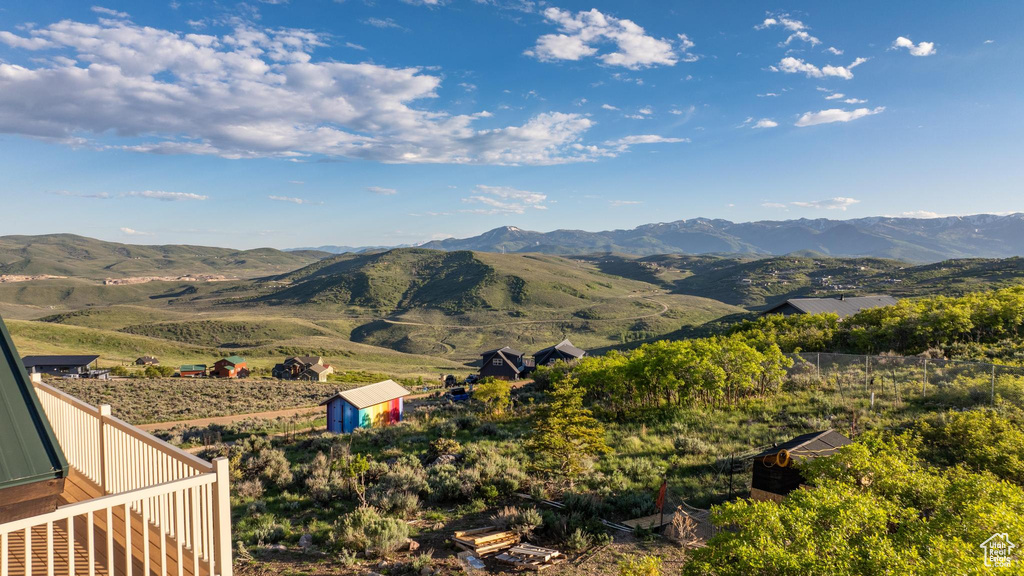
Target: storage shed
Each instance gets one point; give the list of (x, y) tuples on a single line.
[(776, 470), (32, 464), (377, 404)]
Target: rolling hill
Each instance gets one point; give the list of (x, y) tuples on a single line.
[(908, 239), (88, 258)]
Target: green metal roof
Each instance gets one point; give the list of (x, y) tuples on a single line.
[(234, 360), (192, 368), (29, 451)]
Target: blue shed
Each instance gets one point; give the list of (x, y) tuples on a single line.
[(377, 404)]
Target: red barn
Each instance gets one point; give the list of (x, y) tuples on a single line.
[(230, 367)]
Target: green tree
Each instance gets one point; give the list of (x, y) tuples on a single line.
[(566, 436), (495, 394)]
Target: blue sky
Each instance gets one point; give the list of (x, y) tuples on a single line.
[(384, 122)]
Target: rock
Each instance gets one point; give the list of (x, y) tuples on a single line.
[(276, 548), (305, 541), (426, 571), (413, 545), (444, 459)]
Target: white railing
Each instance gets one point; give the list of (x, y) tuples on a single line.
[(174, 504)]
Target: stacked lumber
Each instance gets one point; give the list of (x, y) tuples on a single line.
[(486, 540), (531, 557)]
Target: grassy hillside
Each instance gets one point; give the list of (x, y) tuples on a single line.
[(80, 257)]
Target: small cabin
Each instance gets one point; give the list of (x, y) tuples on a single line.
[(777, 471), (32, 465), (230, 367), (192, 371), (504, 364), (146, 361), (369, 406), (563, 351)]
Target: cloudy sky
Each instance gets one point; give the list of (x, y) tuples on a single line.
[(381, 122)]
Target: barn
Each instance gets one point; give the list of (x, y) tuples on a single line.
[(192, 371), (776, 470), (377, 404), (230, 367)]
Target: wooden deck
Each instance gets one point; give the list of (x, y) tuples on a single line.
[(163, 556)]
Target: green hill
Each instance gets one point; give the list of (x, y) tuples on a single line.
[(80, 257)]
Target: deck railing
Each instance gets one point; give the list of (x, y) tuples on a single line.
[(174, 506)]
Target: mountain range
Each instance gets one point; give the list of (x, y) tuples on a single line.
[(907, 239)]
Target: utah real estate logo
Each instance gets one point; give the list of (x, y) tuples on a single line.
[(998, 550)]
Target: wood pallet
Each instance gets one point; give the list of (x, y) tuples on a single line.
[(485, 540), (531, 557)]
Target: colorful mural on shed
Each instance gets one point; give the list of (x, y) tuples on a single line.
[(379, 404)]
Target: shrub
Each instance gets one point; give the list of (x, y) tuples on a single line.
[(249, 489), (255, 457), (579, 540), (443, 446), (640, 566), (366, 530), (521, 521)]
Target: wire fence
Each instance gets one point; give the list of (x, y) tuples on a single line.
[(886, 381)]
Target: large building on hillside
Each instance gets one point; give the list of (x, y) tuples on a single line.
[(843, 306), (369, 406), (65, 366), (303, 368), (230, 367), (563, 351), (504, 364)]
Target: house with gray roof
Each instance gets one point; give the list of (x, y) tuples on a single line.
[(842, 306)]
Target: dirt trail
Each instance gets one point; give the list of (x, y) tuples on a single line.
[(664, 309)]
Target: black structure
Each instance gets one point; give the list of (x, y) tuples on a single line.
[(66, 366), (775, 470), (841, 306), (504, 364), (564, 351)]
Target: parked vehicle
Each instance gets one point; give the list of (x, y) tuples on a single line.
[(458, 395)]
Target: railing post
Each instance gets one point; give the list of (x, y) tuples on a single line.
[(104, 414), (222, 518)]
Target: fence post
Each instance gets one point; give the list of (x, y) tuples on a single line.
[(866, 360), (924, 383), (993, 385), (104, 414), (222, 518), (819, 366)]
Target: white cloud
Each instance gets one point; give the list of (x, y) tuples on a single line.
[(383, 23), (109, 12), (505, 200), (581, 34), (835, 115), (96, 195), (988, 41), (765, 123), (133, 232), (772, 205), (921, 49), (382, 191), (609, 107), (292, 200), (921, 214), (835, 96), (165, 196), (837, 203), (644, 139), (791, 65), (646, 111), (768, 95), (354, 46), (834, 50), (854, 101), (620, 203), (798, 29), (250, 93)]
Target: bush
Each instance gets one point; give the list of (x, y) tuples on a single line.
[(640, 566), (249, 489), (521, 521), (255, 457), (443, 446), (364, 529), (579, 540)]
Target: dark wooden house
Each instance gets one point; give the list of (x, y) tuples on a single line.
[(32, 465), (777, 471), (563, 351), (841, 306), (146, 361), (504, 364)]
